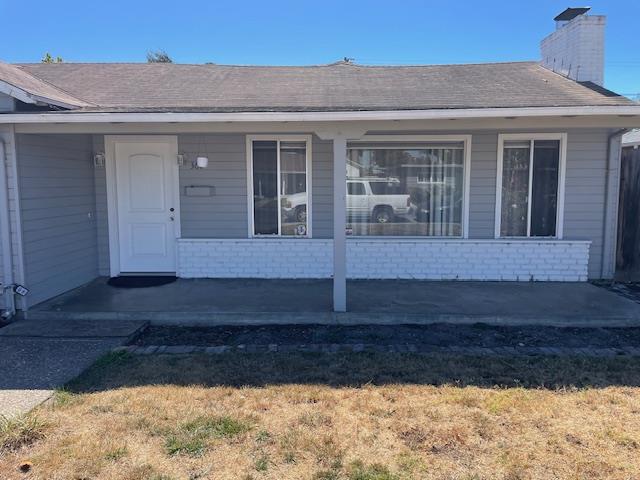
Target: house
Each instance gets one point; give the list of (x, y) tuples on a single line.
[(501, 171)]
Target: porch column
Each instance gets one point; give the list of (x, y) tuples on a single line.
[(339, 224)]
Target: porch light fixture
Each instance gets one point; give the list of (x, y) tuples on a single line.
[(98, 160), (201, 162)]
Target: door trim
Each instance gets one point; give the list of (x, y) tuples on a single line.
[(110, 142)]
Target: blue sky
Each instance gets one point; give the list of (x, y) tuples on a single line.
[(298, 32)]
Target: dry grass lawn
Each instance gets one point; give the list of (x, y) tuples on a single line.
[(330, 417)]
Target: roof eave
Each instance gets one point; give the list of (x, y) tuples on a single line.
[(31, 98), (329, 116)]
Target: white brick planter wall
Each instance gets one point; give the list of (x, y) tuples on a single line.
[(255, 258), (512, 260), (518, 260)]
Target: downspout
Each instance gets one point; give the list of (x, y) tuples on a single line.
[(609, 241), (5, 239)]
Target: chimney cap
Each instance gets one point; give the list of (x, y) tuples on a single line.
[(571, 13)]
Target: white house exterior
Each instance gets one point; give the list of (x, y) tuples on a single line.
[(501, 172)]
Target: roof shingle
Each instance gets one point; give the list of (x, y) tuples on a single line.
[(121, 87), (36, 87)]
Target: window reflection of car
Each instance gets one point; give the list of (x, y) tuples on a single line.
[(435, 200), (378, 200), (294, 207)]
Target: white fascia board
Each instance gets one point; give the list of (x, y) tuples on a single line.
[(88, 117), (15, 92), (26, 97)]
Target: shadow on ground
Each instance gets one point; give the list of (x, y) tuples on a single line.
[(119, 370)]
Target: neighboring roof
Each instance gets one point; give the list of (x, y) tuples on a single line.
[(19, 83), (339, 87), (571, 13)]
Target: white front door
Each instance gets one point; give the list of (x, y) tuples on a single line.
[(146, 192)]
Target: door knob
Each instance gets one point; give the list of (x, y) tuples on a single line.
[(171, 209)]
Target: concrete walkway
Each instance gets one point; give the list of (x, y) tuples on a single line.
[(38, 356), (210, 302)]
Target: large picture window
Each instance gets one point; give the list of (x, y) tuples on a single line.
[(280, 183), (406, 190), (530, 186)]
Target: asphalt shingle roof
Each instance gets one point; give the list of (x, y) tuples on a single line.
[(22, 79), (116, 87)]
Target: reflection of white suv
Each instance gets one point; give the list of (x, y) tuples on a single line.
[(377, 199), (294, 207)]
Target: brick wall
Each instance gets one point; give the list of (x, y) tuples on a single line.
[(521, 260), (576, 49), (517, 260), (255, 258)]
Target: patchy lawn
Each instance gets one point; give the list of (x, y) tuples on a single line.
[(334, 417)]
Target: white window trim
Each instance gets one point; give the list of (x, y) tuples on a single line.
[(250, 213), (406, 140), (502, 138)]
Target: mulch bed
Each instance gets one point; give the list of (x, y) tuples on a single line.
[(445, 335)]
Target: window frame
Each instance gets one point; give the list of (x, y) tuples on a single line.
[(532, 137), (407, 142), (250, 207)]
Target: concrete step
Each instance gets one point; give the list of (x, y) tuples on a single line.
[(379, 348), (189, 318)]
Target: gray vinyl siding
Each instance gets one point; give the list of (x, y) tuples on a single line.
[(225, 214), (322, 192), (482, 184), (585, 192), (102, 220), (57, 203)]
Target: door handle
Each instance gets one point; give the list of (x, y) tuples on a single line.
[(171, 218)]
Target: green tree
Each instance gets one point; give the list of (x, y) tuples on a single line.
[(49, 59), (158, 56)]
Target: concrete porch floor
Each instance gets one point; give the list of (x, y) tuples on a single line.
[(254, 301)]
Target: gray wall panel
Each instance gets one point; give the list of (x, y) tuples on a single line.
[(57, 197), (584, 191)]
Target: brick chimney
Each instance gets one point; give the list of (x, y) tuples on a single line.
[(576, 48)]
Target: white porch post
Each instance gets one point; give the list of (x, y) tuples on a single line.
[(339, 137), (339, 224)]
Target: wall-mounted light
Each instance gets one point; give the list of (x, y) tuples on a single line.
[(197, 163), (98, 160), (201, 162)]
